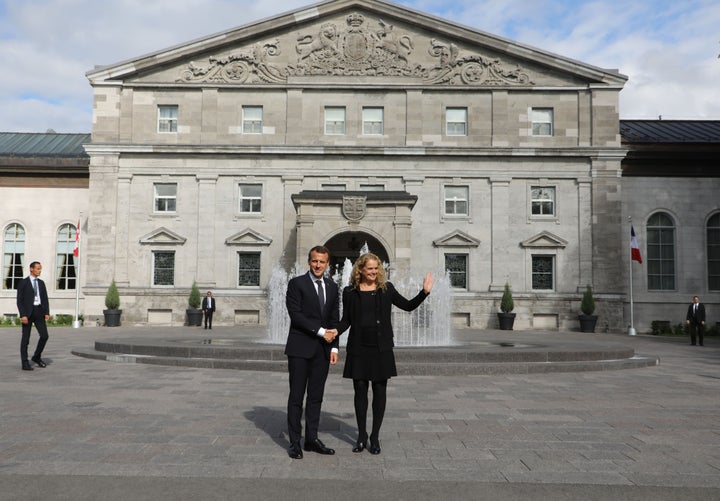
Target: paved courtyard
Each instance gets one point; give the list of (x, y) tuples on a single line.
[(89, 429)]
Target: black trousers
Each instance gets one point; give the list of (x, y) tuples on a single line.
[(306, 375), (208, 318), (696, 327), (37, 317)]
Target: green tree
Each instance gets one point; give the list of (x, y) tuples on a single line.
[(506, 303)]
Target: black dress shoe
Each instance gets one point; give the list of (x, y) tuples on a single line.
[(26, 366), (39, 361), (374, 447), (295, 452), (319, 447), (360, 445)]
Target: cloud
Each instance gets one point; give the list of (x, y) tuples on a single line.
[(668, 49)]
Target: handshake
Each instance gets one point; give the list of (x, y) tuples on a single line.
[(330, 335)]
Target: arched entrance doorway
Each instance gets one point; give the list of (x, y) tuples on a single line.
[(347, 246)]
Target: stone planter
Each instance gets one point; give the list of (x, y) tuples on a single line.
[(587, 323), (194, 317), (112, 318), (506, 321)]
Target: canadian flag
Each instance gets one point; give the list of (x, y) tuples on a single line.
[(76, 250), (635, 249)]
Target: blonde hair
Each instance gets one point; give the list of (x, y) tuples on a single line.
[(355, 277)]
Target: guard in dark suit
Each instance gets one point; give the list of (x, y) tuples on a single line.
[(34, 308), (208, 308), (311, 347), (696, 320)]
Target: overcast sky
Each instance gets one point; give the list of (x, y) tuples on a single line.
[(668, 48)]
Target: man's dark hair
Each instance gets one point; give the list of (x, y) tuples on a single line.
[(32, 265), (320, 249)]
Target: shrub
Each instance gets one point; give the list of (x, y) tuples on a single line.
[(506, 303), (112, 298), (194, 299), (587, 306)]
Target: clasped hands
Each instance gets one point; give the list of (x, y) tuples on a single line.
[(330, 335)]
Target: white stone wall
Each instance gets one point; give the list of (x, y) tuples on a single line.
[(41, 211)]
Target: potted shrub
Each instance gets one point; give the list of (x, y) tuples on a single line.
[(587, 307), (194, 313), (506, 318), (112, 303)]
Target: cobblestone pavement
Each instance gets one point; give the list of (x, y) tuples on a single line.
[(82, 427)]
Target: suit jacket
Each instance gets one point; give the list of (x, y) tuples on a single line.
[(384, 301), (306, 318), (699, 317), (205, 302), (26, 297)]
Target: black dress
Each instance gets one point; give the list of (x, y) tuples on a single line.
[(367, 362)]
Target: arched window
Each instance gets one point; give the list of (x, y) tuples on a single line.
[(661, 252), (66, 262), (13, 255), (713, 252)]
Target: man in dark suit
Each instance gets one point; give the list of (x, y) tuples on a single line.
[(34, 308), (314, 306), (696, 320), (208, 308)]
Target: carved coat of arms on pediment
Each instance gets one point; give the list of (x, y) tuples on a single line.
[(356, 48), (354, 207)]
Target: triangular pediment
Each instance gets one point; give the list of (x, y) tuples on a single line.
[(248, 237), (359, 41), (456, 238), (162, 236), (546, 240)]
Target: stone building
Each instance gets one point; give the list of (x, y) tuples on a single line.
[(442, 147)]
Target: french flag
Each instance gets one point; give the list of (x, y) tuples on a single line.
[(635, 249)]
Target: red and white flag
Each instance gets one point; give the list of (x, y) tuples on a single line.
[(635, 249), (76, 250)]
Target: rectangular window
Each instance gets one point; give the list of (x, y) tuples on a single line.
[(248, 269), (163, 268), (167, 118), (456, 200), (456, 121), (165, 197), (252, 119), (372, 121), (250, 198), (543, 200), (543, 272), (334, 120), (456, 266), (333, 187), (542, 121), (372, 187)]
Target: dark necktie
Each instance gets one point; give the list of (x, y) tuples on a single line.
[(35, 287), (321, 294)]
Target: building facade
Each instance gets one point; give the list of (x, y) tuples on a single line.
[(444, 148)]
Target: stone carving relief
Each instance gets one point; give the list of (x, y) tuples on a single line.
[(358, 48)]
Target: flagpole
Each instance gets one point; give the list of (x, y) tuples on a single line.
[(631, 331), (76, 322)]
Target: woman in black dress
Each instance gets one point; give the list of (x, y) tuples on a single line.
[(367, 304)]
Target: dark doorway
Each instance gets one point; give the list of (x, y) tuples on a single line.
[(348, 245)]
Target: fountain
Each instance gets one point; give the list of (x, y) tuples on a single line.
[(428, 325)]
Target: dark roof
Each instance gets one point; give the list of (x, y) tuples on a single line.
[(670, 131), (30, 144)]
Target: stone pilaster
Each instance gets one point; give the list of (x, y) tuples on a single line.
[(206, 230), (500, 223)]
